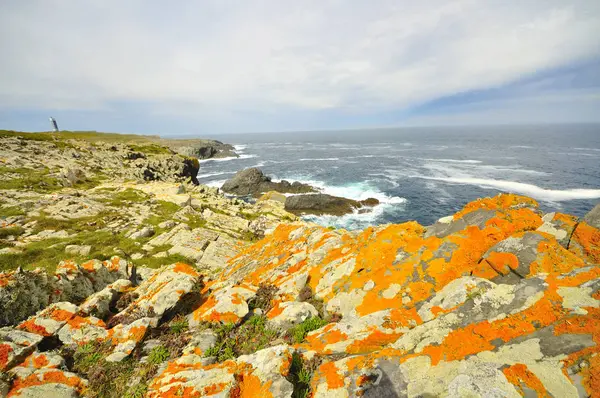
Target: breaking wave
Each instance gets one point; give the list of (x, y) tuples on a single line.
[(551, 195)]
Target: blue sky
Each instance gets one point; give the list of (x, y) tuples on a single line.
[(213, 67)]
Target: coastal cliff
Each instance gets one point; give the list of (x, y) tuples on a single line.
[(124, 278)]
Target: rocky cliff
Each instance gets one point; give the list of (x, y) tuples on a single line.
[(498, 299)]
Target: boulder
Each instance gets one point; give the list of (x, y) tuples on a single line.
[(593, 217), (48, 382), (290, 313), (324, 204), (78, 250), (253, 181), (15, 346), (262, 374)]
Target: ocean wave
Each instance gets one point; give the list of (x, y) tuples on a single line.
[(215, 184), (468, 161), (357, 220), (215, 174), (243, 156), (587, 149), (550, 195), (309, 159), (240, 147)]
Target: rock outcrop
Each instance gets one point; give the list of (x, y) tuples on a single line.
[(325, 204), (252, 181), (498, 299)]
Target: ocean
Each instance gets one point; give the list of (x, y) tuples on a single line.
[(423, 174)]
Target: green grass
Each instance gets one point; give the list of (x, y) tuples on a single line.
[(163, 211), (300, 375), (10, 211), (251, 336), (38, 180), (36, 254), (298, 333), (41, 180), (128, 378), (179, 325), (126, 197), (11, 231), (152, 149)]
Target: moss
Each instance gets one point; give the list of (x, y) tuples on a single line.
[(126, 197), (10, 211), (38, 180), (299, 332), (45, 254), (249, 216), (152, 149), (195, 221), (11, 231), (251, 336), (163, 211)]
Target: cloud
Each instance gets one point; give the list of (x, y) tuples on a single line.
[(208, 61)]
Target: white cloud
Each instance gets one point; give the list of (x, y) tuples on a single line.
[(376, 55)]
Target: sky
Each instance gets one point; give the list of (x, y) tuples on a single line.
[(194, 67)]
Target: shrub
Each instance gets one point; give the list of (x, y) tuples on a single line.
[(299, 332), (158, 355)]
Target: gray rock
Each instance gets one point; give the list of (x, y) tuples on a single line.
[(323, 204), (252, 181), (78, 250), (593, 217), (145, 232)]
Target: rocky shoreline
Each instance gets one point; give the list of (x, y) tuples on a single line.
[(120, 277)]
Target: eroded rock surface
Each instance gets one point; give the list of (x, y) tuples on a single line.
[(496, 300)]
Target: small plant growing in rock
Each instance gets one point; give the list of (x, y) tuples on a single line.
[(249, 337), (299, 332), (263, 298), (158, 355), (179, 325), (301, 373)]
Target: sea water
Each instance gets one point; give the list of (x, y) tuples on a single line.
[(422, 173)]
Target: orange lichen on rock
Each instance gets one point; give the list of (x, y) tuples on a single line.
[(502, 262), (330, 372), (5, 351), (374, 341), (250, 386), (499, 202), (185, 269), (519, 376), (585, 242), (46, 377)]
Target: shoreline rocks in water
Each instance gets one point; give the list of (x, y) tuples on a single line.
[(319, 204), (306, 199), (253, 181)]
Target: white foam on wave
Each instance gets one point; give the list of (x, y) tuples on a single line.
[(467, 161), (215, 184), (240, 147), (309, 159), (243, 156), (355, 191), (550, 195), (215, 174), (587, 149)]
